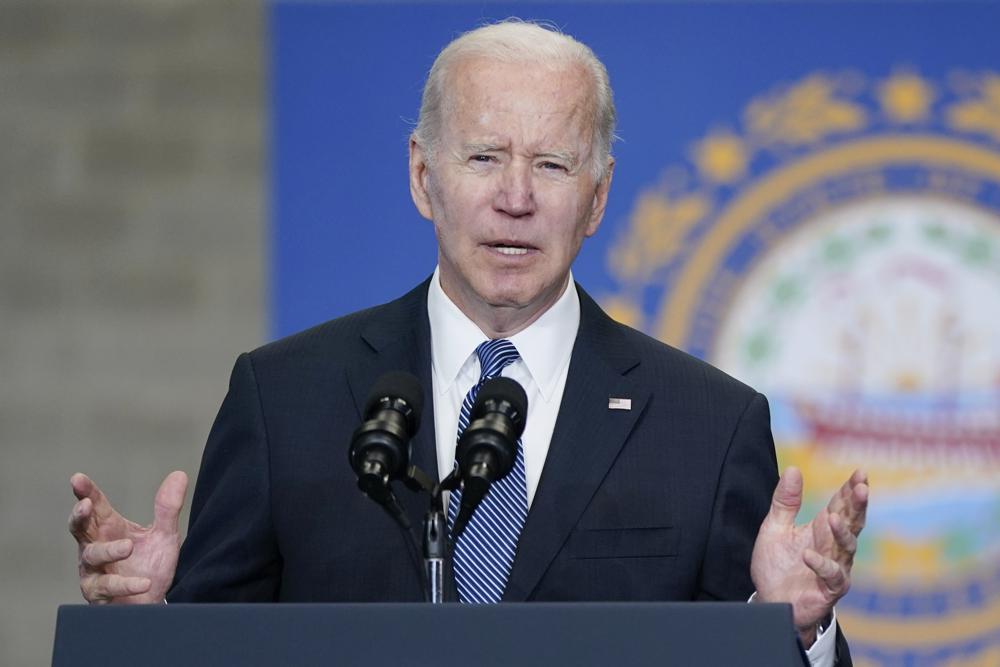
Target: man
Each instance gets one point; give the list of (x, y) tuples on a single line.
[(647, 472)]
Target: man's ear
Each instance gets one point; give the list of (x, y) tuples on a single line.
[(600, 199), (419, 174)]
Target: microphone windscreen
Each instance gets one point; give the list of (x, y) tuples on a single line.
[(501, 389), (397, 385)]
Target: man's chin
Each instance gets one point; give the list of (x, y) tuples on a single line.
[(508, 302), (524, 300), (509, 294)]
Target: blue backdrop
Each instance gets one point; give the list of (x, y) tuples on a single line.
[(346, 82), (783, 170)]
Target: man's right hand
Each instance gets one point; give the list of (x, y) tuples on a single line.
[(121, 561)]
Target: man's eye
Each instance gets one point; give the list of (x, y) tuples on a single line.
[(482, 158), (553, 166)]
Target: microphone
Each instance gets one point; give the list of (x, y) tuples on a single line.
[(380, 447), (488, 447)]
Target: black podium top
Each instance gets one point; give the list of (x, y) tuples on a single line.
[(521, 635)]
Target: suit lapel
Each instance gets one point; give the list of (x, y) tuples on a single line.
[(400, 341), (586, 440)]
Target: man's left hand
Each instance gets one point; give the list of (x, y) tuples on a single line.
[(808, 566)]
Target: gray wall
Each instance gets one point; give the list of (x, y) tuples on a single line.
[(131, 263)]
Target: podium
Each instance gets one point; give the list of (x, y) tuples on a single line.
[(501, 635)]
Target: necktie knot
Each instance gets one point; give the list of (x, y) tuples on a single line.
[(494, 356)]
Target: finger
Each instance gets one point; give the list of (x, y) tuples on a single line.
[(106, 587), (832, 575), (99, 554), (846, 540), (84, 487), (853, 506), (839, 500), (787, 498), (843, 495), (169, 501), (79, 520), (859, 507), (851, 500)]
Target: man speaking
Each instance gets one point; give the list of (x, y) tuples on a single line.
[(642, 473)]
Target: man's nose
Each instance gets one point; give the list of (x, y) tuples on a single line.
[(515, 196)]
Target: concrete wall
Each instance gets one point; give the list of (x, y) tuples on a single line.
[(131, 263)]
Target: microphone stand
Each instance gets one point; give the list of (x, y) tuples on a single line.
[(435, 550), (435, 535)]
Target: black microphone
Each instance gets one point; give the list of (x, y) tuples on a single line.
[(380, 447), (488, 447)]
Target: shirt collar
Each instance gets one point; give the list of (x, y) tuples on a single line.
[(545, 345)]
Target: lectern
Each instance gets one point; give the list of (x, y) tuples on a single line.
[(413, 635)]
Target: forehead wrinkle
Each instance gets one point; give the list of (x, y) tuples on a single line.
[(468, 92), (465, 86), (484, 147)]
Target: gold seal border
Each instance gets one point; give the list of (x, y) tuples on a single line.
[(678, 306), (913, 632)]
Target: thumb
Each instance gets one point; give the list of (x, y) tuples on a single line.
[(169, 501), (787, 498)]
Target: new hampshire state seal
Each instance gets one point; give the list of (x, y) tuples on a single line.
[(838, 248)]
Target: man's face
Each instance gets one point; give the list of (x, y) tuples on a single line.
[(511, 189)]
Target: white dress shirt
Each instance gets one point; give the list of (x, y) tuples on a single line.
[(545, 348)]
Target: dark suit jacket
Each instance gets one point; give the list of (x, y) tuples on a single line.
[(660, 502)]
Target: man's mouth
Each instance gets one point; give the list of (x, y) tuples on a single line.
[(509, 249)]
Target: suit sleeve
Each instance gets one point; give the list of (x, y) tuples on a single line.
[(230, 553), (747, 479)]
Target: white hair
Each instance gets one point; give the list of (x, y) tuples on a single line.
[(516, 41)]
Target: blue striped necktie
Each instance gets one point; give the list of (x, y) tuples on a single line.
[(485, 550)]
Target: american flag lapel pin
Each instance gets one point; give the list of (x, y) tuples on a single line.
[(615, 403)]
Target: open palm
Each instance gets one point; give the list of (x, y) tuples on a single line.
[(809, 566), (119, 560)]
